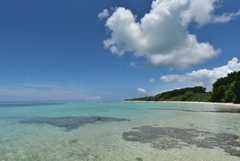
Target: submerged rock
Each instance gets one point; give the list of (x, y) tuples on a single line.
[(233, 151), (231, 110), (164, 138), (70, 122)]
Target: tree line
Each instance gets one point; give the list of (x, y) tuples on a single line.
[(225, 89)]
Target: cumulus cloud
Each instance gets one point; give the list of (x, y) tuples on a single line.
[(205, 77), (103, 14), (141, 90), (162, 36)]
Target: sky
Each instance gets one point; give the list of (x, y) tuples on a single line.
[(91, 50)]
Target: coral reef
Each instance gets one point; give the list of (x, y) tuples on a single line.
[(70, 122), (164, 138)]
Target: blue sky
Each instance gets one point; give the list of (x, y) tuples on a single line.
[(113, 49)]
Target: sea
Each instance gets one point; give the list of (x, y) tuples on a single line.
[(117, 131)]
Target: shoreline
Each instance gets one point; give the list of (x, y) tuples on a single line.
[(189, 102), (210, 103)]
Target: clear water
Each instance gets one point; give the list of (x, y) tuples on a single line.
[(104, 141)]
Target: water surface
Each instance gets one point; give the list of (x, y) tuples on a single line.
[(117, 131)]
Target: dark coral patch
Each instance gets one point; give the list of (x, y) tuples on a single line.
[(70, 122), (168, 137)]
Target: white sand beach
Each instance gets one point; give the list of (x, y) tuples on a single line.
[(232, 105)]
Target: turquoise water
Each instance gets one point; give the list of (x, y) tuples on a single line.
[(117, 131)]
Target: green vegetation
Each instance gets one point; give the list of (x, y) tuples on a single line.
[(185, 94), (225, 89)]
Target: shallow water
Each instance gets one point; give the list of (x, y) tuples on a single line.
[(117, 131)]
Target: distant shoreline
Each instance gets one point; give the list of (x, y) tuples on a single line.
[(189, 102), (210, 103)]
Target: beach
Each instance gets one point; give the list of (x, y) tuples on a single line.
[(227, 105), (209, 103)]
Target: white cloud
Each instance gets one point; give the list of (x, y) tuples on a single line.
[(103, 14), (225, 17), (135, 64), (205, 77), (95, 98), (162, 35), (152, 80), (141, 90)]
